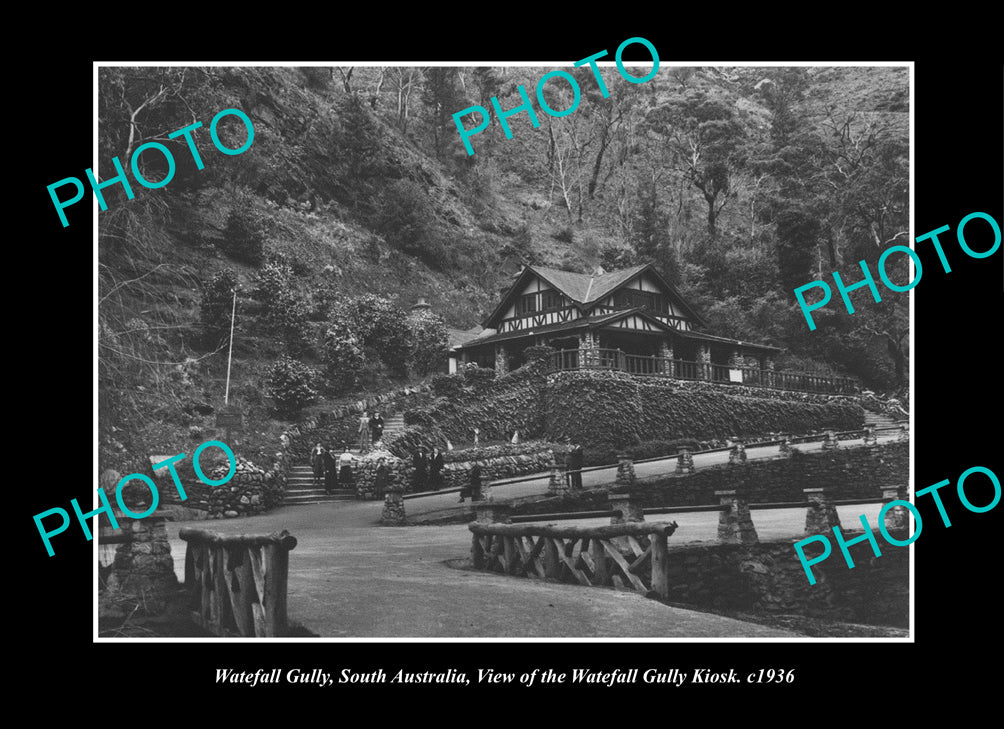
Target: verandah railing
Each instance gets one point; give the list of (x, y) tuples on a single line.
[(615, 359)]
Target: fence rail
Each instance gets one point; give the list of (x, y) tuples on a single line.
[(237, 584), (631, 556), (615, 359)]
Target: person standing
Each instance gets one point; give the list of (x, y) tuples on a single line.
[(436, 469), (576, 464), (419, 475), (317, 463), (376, 428), (473, 488), (345, 469), (330, 472), (364, 432), (380, 480)]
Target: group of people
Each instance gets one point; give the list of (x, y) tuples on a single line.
[(330, 470), (428, 470), (370, 430)]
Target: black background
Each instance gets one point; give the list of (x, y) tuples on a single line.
[(958, 169)]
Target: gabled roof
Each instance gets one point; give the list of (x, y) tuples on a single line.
[(584, 289)]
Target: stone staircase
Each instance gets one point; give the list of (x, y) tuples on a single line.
[(879, 420), (300, 489), (393, 424)]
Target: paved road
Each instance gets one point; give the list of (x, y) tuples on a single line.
[(350, 577), (600, 477)]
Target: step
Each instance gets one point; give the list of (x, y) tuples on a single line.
[(299, 500)]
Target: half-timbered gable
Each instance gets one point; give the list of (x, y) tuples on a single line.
[(634, 313)]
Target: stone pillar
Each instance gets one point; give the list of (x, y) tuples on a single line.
[(821, 516), (786, 449), (685, 461), (870, 438), (625, 470), (556, 484), (490, 513), (393, 505), (143, 568), (485, 489), (737, 456), (898, 517), (630, 509), (501, 362), (735, 526), (830, 441), (588, 354), (769, 379), (666, 352), (704, 362)]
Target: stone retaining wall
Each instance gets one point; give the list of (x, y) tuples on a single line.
[(769, 578), (847, 472)]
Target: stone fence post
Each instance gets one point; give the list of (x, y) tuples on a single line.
[(685, 461), (830, 441), (629, 508), (870, 437), (735, 526), (393, 504), (737, 456), (491, 513), (625, 470), (897, 518), (821, 515), (785, 448)]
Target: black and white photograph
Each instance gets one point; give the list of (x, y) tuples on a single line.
[(553, 354), (604, 372)]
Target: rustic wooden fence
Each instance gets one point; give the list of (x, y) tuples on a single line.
[(630, 556), (237, 584)]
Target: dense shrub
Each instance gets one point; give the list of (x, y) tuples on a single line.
[(448, 385), (284, 310), (290, 383), (379, 325), (478, 377), (343, 357), (419, 416), (429, 343)]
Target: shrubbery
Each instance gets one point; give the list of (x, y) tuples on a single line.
[(284, 310), (430, 344), (290, 383)]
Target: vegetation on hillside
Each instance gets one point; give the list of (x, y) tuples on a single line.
[(357, 197)]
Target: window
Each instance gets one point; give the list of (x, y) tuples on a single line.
[(629, 298), (527, 304), (551, 300)]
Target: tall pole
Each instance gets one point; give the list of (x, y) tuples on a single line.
[(233, 312)]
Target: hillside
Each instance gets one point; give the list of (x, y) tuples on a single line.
[(358, 184)]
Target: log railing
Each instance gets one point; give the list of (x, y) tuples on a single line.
[(614, 359), (237, 584), (630, 556)]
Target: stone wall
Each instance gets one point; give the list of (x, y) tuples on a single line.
[(768, 578), (848, 472)]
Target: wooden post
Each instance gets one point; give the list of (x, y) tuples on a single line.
[(477, 551), (552, 562), (601, 573), (660, 565), (509, 555)]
